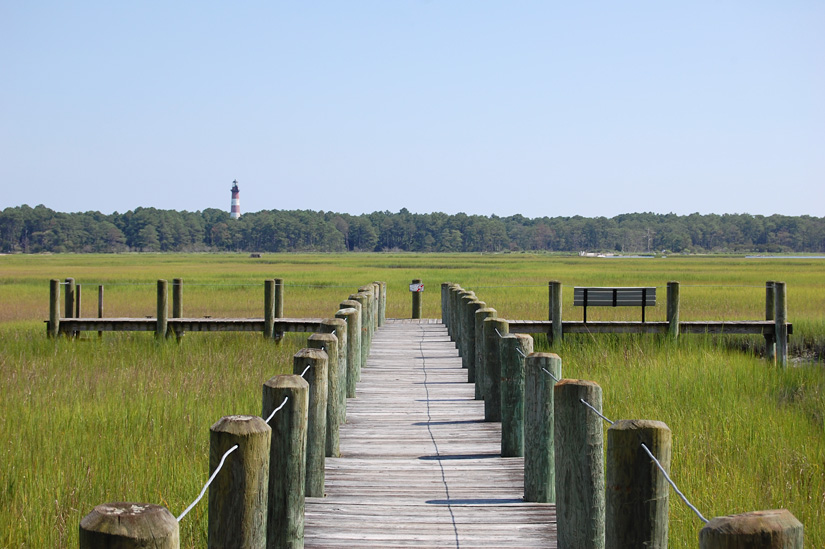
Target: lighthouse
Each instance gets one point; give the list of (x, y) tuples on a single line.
[(235, 210)]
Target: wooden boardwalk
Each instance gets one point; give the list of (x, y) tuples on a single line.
[(419, 467)]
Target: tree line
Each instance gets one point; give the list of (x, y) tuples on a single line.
[(40, 229)]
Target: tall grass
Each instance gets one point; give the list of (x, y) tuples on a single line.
[(125, 418)]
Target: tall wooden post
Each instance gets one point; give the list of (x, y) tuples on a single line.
[(279, 307), (494, 330), (444, 316), (77, 300), (54, 308), (579, 456), (770, 314), (329, 344), (100, 305), (774, 529), (364, 315), (480, 373), (455, 289), (269, 309), (556, 331), (177, 306), (539, 434), (238, 494), (382, 302), (338, 327), (163, 310), (129, 526), (464, 336), (673, 309), (473, 306), (513, 348), (416, 300), (636, 506), (69, 301), (351, 316), (287, 459), (317, 361), (781, 323)]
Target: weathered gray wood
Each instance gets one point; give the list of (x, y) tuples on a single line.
[(480, 374), (329, 344), (781, 329), (494, 330), (469, 361), (444, 316), (636, 503), (78, 300), (416, 301), (539, 433), (177, 307), (129, 526), (363, 299), (238, 494), (556, 332), (673, 309), (513, 348), (579, 457), (54, 308), (770, 315), (279, 307), (372, 306), (287, 459), (338, 327), (774, 529), (465, 335), (317, 361), (269, 309), (69, 303), (100, 306), (736, 327), (162, 318), (455, 289), (352, 318), (382, 303)]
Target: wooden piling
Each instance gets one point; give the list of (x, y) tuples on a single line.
[(77, 300), (100, 306), (69, 301), (162, 311), (338, 327), (455, 289), (774, 529), (539, 432), (480, 373), (556, 331), (464, 297), (177, 305), (269, 309), (382, 303), (579, 459), (780, 325), (416, 301), (444, 316), (513, 348), (129, 526), (472, 307), (318, 361), (278, 307), (494, 330), (351, 316), (673, 309), (770, 314), (364, 315), (238, 494), (329, 344), (54, 308), (287, 459), (636, 504)]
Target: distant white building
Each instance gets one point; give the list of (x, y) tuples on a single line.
[(235, 209)]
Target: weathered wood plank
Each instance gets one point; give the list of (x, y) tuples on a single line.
[(733, 327)]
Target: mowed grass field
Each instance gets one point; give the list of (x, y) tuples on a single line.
[(123, 418)]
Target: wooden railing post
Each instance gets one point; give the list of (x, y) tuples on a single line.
[(287, 459), (68, 311), (556, 331), (77, 300), (464, 297), (54, 308), (673, 309), (781, 326), (316, 375), (445, 317), (636, 506), (269, 309), (455, 289), (539, 433), (352, 317), (363, 315), (338, 327), (470, 330), (770, 315), (100, 305), (329, 344), (162, 310), (494, 330), (177, 306), (416, 300), (513, 348), (238, 494), (278, 307), (579, 456), (774, 529), (480, 374), (129, 526), (382, 303)]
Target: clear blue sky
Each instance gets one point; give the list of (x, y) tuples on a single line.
[(535, 107)]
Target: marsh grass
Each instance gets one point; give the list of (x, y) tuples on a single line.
[(125, 418)]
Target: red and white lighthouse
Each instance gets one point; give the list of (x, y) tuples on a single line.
[(235, 210)]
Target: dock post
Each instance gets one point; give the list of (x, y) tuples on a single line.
[(68, 309), (781, 323), (329, 344), (513, 348), (480, 374), (636, 503), (163, 310), (279, 307), (177, 306), (238, 494), (287, 459), (416, 300), (445, 318), (364, 317), (382, 303), (464, 297), (54, 308), (100, 305), (338, 327), (77, 300), (352, 318), (470, 330), (556, 333), (129, 526), (579, 456), (317, 361), (774, 529), (770, 315), (673, 309), (494, 330), (539, 432), (269, 309)]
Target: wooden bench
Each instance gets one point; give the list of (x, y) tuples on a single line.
[(613, 297)]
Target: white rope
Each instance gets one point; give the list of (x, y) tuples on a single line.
[(673, 484), (305, 370), (208, 482), (275, 411), (519, 351), (546, 371), (598, 413), (499, 333)]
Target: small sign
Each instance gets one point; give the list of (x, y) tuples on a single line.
[(419, 287)]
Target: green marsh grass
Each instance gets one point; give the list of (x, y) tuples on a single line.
[(125, 418)]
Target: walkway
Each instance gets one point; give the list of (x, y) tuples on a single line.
[(419, 466)]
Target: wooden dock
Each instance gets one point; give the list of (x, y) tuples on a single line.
[(149, 324), (419, 467), (731, 327)]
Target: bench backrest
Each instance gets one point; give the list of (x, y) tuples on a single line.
[(614, 297)]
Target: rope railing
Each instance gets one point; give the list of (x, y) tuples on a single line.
[(208, 482)]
